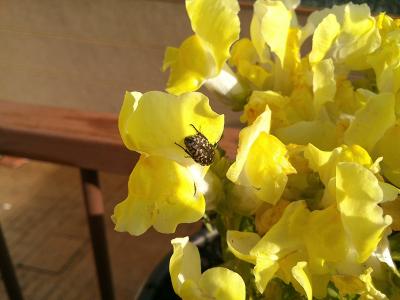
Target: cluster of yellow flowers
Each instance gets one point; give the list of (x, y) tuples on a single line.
[(317, 168)]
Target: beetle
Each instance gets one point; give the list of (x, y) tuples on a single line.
[(199, 148)]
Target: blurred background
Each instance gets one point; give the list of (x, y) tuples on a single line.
[(84, 55)]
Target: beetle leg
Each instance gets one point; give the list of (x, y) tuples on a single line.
[(184, 149), (216, 144)]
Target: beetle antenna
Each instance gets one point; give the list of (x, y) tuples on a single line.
[(195, 128)]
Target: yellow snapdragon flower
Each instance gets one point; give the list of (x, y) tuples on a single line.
[(344, 33), (190, 284), (153, 124), (201, 56), (262, 161)]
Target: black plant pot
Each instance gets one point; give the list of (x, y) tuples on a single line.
[(159, 287)]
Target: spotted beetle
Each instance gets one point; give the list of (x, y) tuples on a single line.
[(199, 148)]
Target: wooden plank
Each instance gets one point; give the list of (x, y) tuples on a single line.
[(72, 137)]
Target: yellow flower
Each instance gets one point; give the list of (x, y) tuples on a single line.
[(345, 33), (153, 124), (190, 284), (261, 161), (161, 193), (201, 56), (245, 59)]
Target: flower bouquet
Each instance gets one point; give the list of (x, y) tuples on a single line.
[(309, 207)]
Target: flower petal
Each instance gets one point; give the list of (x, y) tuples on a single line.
[(324, 35), (184, 264), (257, 103), (188, 74), (247, 137), (324, 227), (171, 203), (300, 274), (276, 16), (388, 147), (240, 244), (324, 84), (321, 133), (267, 167), (153, 123), (372, 121), (358, 194), (325, 162), (221, 283)]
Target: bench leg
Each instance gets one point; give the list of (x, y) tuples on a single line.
[(95, 214), (7, 271)]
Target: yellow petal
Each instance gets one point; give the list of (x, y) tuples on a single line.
[(362, 285), (254, 73), (256, 32), (324, 35), (325, 162), (267, 167), (153, 123), (388, 147), (243, 50), (247, 137), (372, 121), (217, 24), (268, 215), (283, 239), (202, 56), (173, 201), (276, 16), (221, 283), (286, 235), (316, 158), (321, 133), (300, 274), (240, 244), (358, 195), (256, 105), (264, 271), (324, 227), (384, 61), (184, 264), (188, 74), (324, 84)]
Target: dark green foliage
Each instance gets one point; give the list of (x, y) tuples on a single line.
[(390, 6)]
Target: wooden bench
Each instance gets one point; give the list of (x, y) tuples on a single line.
[(86, 140)]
